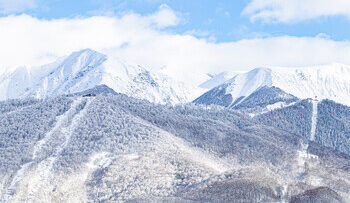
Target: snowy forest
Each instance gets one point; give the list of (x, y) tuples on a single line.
[(111, 147)]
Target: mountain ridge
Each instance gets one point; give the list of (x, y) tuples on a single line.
[(321, 82), (85, 69)]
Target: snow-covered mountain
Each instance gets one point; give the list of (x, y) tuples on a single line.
[(321, 82), (86, 69), (115, 148)]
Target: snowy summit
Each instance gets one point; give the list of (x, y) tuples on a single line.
[(317, 82), (86, 69)]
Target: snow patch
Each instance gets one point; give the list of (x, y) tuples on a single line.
[(99, 160), (272, 107)]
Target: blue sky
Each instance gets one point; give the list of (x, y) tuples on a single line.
[(178, 36), (222, 21)]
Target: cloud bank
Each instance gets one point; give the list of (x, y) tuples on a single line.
[(137, 39), (287, 11)]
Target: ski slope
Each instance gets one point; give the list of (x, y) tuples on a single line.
[(64, 127), (313, 120)]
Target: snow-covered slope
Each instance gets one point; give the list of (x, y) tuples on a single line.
[(324, 82), (216, 80), (87, 68)]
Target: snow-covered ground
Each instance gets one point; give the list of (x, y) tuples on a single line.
[(272, 107), (11, 189)]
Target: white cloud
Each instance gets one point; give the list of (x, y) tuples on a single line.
[(201, 34), (9, 6), (26, 40), (287, 11), (165, 17), (323, 35)]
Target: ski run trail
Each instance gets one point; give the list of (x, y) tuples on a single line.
[(303, 157), (64, 129), (313, 120)]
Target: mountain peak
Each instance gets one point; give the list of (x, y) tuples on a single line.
[(324, 82), (86, 51), (86, 69), (97, 90), (82, 60)]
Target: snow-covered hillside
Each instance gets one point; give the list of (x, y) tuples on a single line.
[(114, 148), (86, 69), (321, 82)]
